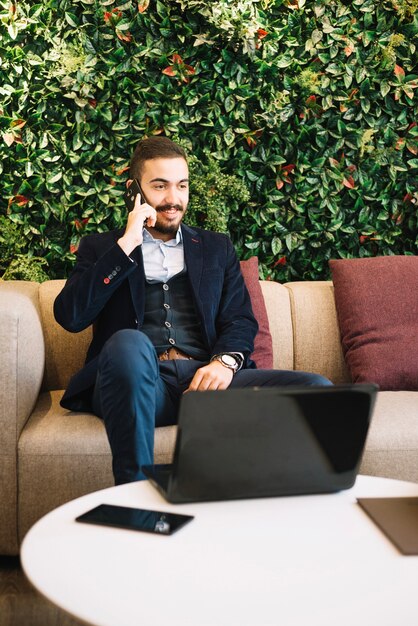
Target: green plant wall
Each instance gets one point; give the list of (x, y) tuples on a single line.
[(311, 107)]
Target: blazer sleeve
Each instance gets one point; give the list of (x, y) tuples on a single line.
[(100, 269), (236, 326)]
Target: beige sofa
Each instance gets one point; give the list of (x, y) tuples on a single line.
[(49, 455)]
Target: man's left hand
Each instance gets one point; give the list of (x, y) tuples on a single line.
[(212, 376)]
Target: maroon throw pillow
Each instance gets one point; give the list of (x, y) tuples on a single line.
[(377, 306), (263, 344)]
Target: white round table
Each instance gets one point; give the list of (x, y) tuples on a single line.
[(295, 561)]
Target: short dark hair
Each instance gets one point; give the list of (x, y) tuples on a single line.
[(155, 147)]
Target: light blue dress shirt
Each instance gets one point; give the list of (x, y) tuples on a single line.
[(162, 259)]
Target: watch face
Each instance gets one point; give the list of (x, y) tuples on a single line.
[(229, 360)]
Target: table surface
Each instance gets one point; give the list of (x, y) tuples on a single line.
[(293, 561)]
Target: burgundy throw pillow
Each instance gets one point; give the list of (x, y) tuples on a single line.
[(263, 344), (377, 306)]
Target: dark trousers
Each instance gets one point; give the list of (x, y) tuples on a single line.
[(135, 392)]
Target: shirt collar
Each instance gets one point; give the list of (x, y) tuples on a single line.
[(148, 238)]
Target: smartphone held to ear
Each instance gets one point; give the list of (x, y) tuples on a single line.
[(131, 193)]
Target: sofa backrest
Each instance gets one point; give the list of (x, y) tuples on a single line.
[(64, 352), (316, 335), (302, 319)]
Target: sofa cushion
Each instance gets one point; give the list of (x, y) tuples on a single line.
[(263, 344), (64, 455), (377, 306), (392, 441)]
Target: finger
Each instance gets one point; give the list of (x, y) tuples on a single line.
[(149, 214), (151, 219), (214, 385), (194, 382)]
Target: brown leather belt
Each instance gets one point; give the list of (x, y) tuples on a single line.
[(173, 353)]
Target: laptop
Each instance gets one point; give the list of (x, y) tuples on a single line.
[(259, 442)]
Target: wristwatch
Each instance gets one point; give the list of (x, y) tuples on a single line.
[(228, 360)]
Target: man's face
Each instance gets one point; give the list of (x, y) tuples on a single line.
[(165, 183)]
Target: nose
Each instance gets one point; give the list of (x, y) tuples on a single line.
[(171, 195)]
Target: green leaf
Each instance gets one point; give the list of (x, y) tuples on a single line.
[(71, 19), (276, 245), (229, 136)]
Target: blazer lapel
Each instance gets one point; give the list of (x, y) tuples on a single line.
[(137, 284), (193, 256)]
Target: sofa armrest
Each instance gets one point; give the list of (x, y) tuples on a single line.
[(21, 371)]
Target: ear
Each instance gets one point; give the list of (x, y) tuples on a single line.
[(129, 183)]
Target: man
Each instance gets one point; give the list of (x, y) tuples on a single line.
[(170, 314)]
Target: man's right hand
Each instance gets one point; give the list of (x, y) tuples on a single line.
[(141, 215)]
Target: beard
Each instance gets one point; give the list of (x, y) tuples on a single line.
[(168, 228)]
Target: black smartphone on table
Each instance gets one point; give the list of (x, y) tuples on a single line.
[(131, 193), (135, 519)]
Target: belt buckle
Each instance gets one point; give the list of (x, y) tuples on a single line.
[(164, 356)]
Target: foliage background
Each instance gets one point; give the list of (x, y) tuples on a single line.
[(311, 107)]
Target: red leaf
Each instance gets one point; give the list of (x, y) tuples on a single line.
[(122, 170), (279, 183), (288, 168), (19, 200), (399, 71), (261, 33), (73, 248), (143, 6), (412, 147), (400, 143), (170, 71), (189, 70), (123, 37), (176, 58), (108, 15), (349, 182), (351, 168), (363, 238), (18, 123), (251, 141), (281, 261), (349, 49), (334, 162)]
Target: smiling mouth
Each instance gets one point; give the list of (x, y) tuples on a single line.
[(170, 211), (169, 207)]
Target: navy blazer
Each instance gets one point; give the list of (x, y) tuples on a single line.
[(107, 289)]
